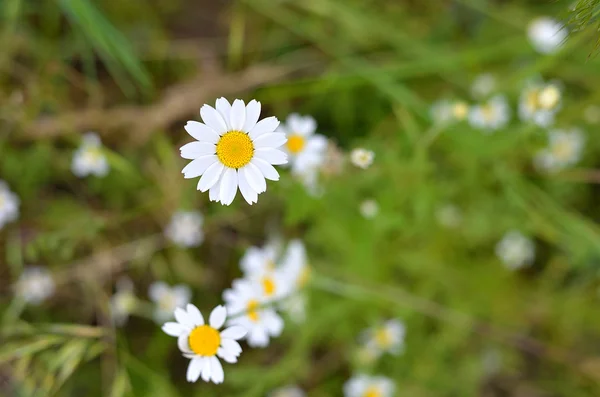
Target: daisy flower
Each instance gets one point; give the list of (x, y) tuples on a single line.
[(167, 299), (233, 150), (295, 265), (89, 158), (204, 344), (35, 285), (185, 229), (546, 35), (565, 148), (369, 386), (445, 111), (515, 250), (304, 148), (245, 301), (449, 216), (483, 85), (491, 115), (539, 103), (258, 265), (9, 205), (369, 209), (123, 302), (287, 391), (386, 338), (362, 158)]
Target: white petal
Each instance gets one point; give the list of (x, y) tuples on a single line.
[(201, 132), (183, 343), (258, 337), (211, 176), (271, 156), (213, 193), (316, 143), (229, 185), (237, 118), (199, 166), (156, 290), (194, 368), (227, 356), (275, 324), (216, 370), (235, 332), (206, 369), (182, 317), (173, 329), (270, 139), (266, 169), (265, 125), (217, 317), (252, 115), (195, 315), (213, 119), (224, 109), (255, 178), (247, 192), (194, 150)]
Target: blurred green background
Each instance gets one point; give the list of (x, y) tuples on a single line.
[(368, 70)]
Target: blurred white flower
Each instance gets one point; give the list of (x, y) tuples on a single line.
[(546, 35), (35, 285), (385, 338), (305, 149), (540, 102), (445, 111), (449, 216), (366, 355), (369, 208), (287, 391), (591, 114), (258, 265), (185, 228), (362, 158), (483, 85), (123, 302), (246, 302), (233, 150), (515, 250), (203, 344), (369, 386), (491, 115), (309, 177), (9, 205), (565, 148), (295, 266), (89, 158), (167, 299)]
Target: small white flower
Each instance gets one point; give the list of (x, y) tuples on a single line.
[(362, 158), (445, 111), (565, 148), (540, 102), (35, 285), (295, 265), (89, 158), (185, 229), (305, 149), (287, 391), (9, 205), (546, 35), (123, 302), (369, 386), (449, 216), (167, 299), (233, 150), (369, 208), (203, 344), (386, 338), (483, 85), (515, 250), (366, 355), (246, 303), (258, 265), (491, 115)]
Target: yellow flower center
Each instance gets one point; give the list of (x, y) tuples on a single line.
[(92, 154), (204, 340), (251, 309), (562, 150), (372, 392), (383, 337), (549, 97), (295, 143), (488, 112), (532, 99), (460, 110), (268, 285), (235, 149)]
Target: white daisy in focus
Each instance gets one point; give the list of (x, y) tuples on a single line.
[(362, 158), (185, 228), (35, 285), (233, 150), (491, 115), (369, 209), (258, 265), (9, 205), (246, 303), (287, 391), (304, 148), (565, 148), (89, 158), (449, 216), (515, 250), (167, 299), (445, 111), (386, 338), (546, 35), (369, 386), (483, 85), (203, 343), (539, 103), (123, 302)]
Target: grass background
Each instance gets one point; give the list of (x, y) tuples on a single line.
[(368, 71)]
